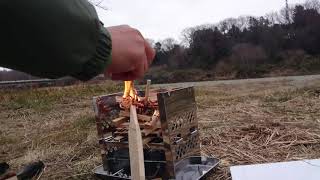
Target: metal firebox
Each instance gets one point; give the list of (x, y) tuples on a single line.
[(171, 148)]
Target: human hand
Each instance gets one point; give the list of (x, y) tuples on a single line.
[(131, 54)]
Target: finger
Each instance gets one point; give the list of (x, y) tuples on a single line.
[(150, 52)]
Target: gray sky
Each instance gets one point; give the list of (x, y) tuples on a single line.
[(159, 19)]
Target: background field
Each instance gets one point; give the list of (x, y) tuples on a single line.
[(241, 122)]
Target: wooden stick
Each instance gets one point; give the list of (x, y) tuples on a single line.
[(135, 147), (126, 125), (119, 138), (141, 117), (147, 91), (155, 122), (147, 132), (118, 121), (146, 140)]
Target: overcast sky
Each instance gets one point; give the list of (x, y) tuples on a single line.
[(159, 19)]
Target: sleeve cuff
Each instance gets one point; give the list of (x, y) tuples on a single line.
[(100, 60)]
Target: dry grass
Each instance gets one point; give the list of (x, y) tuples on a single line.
[(259, 123), (240, 124), (55, 125)]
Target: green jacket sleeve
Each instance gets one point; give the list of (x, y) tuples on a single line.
[(53, 38)]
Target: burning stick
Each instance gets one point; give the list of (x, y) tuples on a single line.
[(129, 94), (134, 134)]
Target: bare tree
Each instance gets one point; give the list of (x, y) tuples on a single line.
[(243, 22), (273, 18), (283, 17), (312, 4), (287, 13), (225, 25), (168, 44), (99, 4), (186, 35)]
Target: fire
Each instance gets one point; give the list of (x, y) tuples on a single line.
[(129, 90), (129, 95), (147, 105)]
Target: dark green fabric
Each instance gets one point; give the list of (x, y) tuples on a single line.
[(53, 38)]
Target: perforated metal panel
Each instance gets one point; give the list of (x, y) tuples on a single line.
[(179, 137)]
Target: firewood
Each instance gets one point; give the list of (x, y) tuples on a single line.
[(155, 120), (118, 121), (121, 131), (146, 140), (126, 125), (119, 138), (141, 117), (146, 132)]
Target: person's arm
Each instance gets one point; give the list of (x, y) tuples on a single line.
[(56, 38), (53, 38)]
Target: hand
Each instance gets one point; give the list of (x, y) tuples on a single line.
[(131, 54)]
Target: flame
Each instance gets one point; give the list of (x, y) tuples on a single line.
[(129, 90), (129, 95)]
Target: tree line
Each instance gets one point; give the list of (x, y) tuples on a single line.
[(249, 46)]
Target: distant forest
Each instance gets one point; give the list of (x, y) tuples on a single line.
[(280, 43)]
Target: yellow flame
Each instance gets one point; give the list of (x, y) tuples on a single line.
[(129, 89)]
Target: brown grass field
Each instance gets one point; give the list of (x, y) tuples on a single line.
[(243, 123)]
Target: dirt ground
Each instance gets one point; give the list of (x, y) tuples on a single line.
[(240, 123)]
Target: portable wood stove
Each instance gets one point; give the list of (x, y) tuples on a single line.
[(169, 128)]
